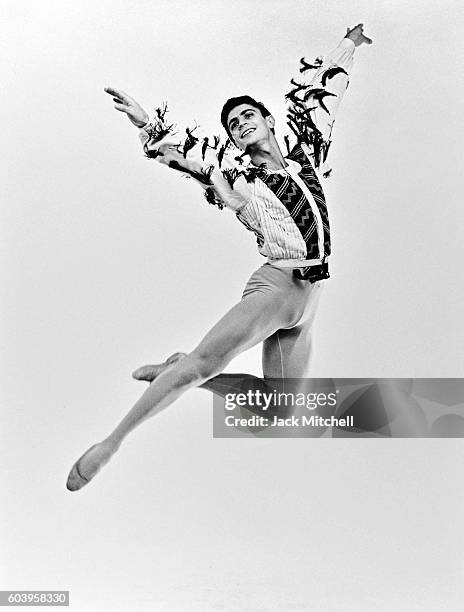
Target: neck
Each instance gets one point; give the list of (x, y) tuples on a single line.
[(268, 153)]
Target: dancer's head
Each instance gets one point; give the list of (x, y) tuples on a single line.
[(246, 121)]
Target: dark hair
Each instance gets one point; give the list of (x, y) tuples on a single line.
[(233, 102)]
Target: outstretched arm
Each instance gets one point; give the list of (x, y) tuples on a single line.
[(312, 106), (153, 134), (207, 160)]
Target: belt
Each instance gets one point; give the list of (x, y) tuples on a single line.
[(312, 273)]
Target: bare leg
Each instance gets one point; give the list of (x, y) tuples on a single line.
[(286, 354), (249, 322)]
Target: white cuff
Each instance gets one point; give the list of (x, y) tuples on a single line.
[(346, 43)]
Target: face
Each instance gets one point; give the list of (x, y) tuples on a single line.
[(248, 127)]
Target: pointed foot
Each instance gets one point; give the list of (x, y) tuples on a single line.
[(87, 466), (150, 372)]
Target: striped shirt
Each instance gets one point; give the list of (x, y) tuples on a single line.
[(285, 209)]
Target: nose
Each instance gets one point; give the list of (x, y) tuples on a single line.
[(241, 122)]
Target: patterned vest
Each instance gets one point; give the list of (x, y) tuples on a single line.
[(294, 200)]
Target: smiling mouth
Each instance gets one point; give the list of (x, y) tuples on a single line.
[(247, 131)]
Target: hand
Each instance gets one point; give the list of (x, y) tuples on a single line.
[(128, 105), (357, 36)]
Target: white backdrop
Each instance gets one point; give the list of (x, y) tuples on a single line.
[(109, 261)]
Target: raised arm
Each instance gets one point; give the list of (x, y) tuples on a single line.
[(313, 102), (205, 159)]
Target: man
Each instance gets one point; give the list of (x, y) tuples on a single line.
[(279, 199)]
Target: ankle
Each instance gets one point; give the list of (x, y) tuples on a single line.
[(112, 443)]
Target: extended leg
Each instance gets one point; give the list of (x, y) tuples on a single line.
[(286, 354), (249, 322)]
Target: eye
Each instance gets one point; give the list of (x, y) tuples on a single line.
[(248, 114)]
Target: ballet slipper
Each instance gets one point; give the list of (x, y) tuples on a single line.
[(150, 372), (76, 478)]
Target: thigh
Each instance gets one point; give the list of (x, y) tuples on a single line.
[(246, 324), (287, 352)]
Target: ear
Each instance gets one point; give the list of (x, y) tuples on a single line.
[(270, 121)]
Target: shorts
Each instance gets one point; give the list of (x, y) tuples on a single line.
[(271, 280)]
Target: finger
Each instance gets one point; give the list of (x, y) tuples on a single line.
[(111, 90), (122, 107), (367, 40), (118, 93)]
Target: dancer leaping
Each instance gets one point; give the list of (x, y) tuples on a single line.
[(280, 199)]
